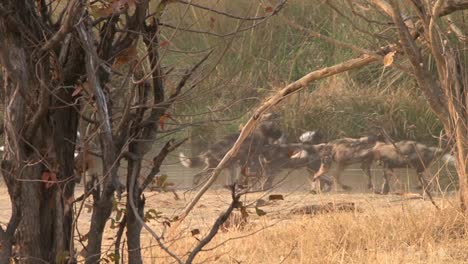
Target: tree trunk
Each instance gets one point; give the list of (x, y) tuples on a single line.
[(133, 225), (41, 124), (35, 245), (462, 168)]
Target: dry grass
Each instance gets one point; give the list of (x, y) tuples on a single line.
[(386, 229)]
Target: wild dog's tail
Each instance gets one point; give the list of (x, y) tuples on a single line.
[(449, 159), (446, 157), (190, 162)]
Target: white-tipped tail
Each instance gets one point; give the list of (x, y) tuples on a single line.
[(186, 162), (307, 136), (449, 159), (2, 148), (300, 154)]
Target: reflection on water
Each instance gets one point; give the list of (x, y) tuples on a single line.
[(352, 176), (289, 180)]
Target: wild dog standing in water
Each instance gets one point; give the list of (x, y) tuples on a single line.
[(267, 132), (345, 152), (275, 158), (408, 154)]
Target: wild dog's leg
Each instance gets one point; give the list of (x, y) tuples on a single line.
[(325, 165), (425, 179), (324, 183), (432, 180), (365, 166), (265, 175), (386, 180), (313, 184), (269, 177), (210, 165), (339, 171), (243, 176), (327, 183), (197, 177), (232, 175)]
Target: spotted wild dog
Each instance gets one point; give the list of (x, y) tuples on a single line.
[(405, 154), (267, 132), (345, 152), (279, 157)]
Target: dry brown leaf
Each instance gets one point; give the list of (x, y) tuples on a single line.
[(195, 231), (268, 9), (164, 44), (126, 56), (388, 59), (77, 91)]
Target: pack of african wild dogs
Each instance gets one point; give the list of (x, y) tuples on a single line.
[(266, 153)]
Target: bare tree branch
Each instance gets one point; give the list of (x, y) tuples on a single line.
[(378, 55), (458, 31), (451, 6), (74, 11)]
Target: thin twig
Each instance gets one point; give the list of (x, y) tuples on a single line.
[(278, 7)]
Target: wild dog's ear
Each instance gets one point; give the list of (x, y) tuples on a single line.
[(269, 116), (241, 126), (449, 159)]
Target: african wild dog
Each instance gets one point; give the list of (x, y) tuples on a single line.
[(267, 132), (345, 152), (407, 153), (275, 158)]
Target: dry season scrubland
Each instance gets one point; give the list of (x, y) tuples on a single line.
[(384, 229)]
